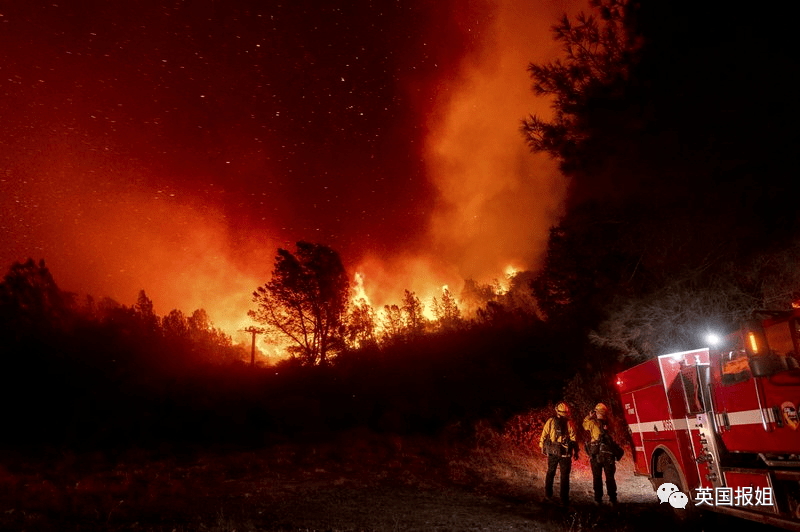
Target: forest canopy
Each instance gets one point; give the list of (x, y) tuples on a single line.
[(673, 124)]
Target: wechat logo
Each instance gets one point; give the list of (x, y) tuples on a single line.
[(669, 492)]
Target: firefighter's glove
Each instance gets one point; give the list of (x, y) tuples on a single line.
[(575, 454)]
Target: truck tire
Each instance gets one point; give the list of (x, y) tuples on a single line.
[(669, 473)]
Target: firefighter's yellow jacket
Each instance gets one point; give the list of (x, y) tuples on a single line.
[(549, 432), (594, 427)]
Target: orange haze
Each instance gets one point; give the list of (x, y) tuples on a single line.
[(495, 201), (179, 251)]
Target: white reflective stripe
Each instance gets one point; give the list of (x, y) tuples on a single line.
[(680, 424), (660, 425), (745, 417)]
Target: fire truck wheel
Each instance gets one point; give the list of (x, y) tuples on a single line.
[(669, 473)]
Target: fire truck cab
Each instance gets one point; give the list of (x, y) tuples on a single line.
[(721, 423)]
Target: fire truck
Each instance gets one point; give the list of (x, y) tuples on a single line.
[(721, 422)]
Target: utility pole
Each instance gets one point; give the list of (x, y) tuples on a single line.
[(254, 331)]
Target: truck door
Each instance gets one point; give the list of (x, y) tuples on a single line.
[(700, 422)]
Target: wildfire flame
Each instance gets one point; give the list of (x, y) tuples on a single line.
[(359, 293), (504, 285)]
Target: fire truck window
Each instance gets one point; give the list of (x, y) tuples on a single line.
[(735, 367), (694, 402), (779, 339)]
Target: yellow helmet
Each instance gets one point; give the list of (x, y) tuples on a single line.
[(562, 409), (601, 410)]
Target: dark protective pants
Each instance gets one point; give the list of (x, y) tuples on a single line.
[(564, 463), (598, 468)]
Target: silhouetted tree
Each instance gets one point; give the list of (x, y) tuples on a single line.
[(361, 325), (146, 314), (199, 325), (586, 265), (520, 297), (447, 313), (598, 52), (475, 295), (391, 323), (642, 101), (414, 320), (175, 324), (207, 342), (306, 301), (650, 100), (30, 300), (678, 315), (494, 315), (106, 306)]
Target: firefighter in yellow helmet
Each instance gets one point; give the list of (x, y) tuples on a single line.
[(602, 453), (558, 442)]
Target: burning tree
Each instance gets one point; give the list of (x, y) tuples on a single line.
[(361, 325), (412, 311), (446, 311), (391, 322), (306, 301)]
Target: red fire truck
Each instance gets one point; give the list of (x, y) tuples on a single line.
[(721, 423)]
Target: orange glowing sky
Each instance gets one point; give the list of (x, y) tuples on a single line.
[(174, 148)]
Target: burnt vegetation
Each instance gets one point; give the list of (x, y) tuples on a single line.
[(102, 375)]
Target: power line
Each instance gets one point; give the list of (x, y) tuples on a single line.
[(254, 331)]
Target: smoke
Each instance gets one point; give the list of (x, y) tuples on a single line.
[(496, 201), (111, 234)]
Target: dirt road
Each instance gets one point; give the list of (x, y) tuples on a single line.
[(358, 483)]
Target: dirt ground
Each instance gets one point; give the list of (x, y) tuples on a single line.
[(361, 482)]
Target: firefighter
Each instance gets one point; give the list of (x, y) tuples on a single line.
[(559, 444), (601, 454)]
